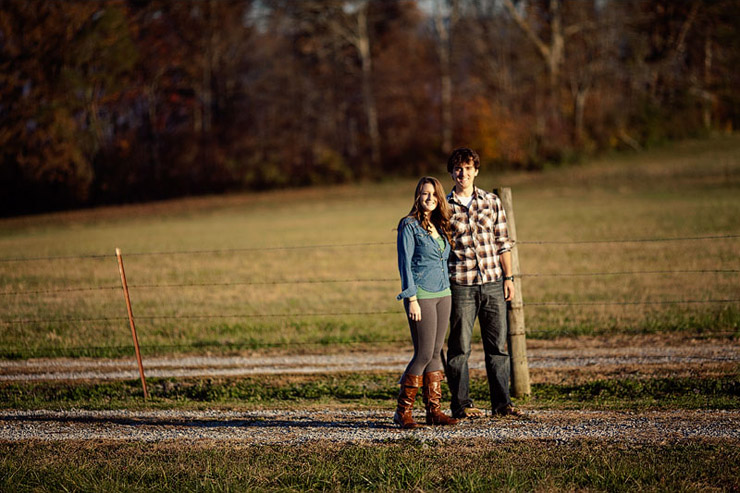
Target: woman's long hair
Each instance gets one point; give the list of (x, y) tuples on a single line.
[(440, 216)]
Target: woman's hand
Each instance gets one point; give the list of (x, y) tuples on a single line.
[(414, 310)]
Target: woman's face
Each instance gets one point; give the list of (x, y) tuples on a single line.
[(428, 199)]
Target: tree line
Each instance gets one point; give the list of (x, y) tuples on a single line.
[(132, 100)]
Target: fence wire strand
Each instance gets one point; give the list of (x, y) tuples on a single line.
[(630, 273), (253, 345), (351, 245), (338, 281), (622, 303), (633, 240), (344, 314), (196, 285), (197, 252)]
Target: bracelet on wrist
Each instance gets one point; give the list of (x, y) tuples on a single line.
[(508, 278)]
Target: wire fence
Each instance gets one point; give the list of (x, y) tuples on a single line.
[(359, 313), (544, 304), (358, 280), (102, 256), (238, 346)]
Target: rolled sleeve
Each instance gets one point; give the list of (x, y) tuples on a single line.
[(405, 248), (501, 230)]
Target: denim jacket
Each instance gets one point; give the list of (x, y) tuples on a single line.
[(420, 261)]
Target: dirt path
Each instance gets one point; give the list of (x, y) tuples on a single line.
[(566, 354)]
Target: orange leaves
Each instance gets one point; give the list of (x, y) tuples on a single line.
[(495, 132)]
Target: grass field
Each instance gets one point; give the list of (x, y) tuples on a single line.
[(405, 466), (257, 270), (250, 273)]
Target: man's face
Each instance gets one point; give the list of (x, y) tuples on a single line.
[(463, 175)]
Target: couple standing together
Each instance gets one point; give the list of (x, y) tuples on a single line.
[(455, 263)]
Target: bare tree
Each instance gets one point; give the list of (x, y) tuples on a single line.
[(445, 17), (552, 50), (353, 29)]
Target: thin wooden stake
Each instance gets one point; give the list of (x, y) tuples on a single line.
[(131, 321), (517, 330)]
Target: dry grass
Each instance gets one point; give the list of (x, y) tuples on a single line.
[(259, 258)]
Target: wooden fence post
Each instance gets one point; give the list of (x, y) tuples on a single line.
[(131, 321), (517, 330)]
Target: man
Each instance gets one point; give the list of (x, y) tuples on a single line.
[(481, 281)]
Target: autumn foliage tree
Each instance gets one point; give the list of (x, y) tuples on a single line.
[(130, 100)]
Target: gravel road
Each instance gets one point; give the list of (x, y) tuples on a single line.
[(539, 358), (345, 425)]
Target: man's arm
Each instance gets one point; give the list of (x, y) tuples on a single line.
[(501, 235), (506, 266)]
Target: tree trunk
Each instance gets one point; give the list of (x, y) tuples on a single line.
[(555, 59), (552, 53), (707, 103), (580, 106), (151, 95), (443, 50), (371, 112), (208, 69)]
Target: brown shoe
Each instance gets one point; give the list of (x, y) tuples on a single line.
[(432, 394), (409, 387), (510, 410), (470, 413)]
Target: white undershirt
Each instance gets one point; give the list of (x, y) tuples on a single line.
[(465, 200)]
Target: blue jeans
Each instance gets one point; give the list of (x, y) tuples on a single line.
[(487, 302)]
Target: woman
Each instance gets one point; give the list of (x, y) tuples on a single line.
[(423, 246)]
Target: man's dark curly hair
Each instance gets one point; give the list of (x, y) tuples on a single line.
[(462, 155)]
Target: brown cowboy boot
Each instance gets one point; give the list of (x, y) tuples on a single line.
[(432, 394), (409, 387)]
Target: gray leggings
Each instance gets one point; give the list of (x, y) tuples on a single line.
[(428, 334)]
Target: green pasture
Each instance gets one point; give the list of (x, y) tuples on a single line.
[(317, 267), (406, 466)]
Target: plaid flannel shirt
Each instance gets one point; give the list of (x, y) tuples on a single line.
[(480, 237)]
